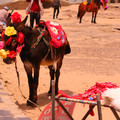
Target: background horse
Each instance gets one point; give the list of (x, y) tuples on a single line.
[(93, 7), (35, 52)]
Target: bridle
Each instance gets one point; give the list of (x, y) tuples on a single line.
[(18, 38), (103, 2)]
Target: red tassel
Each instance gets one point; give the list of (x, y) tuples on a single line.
[(92, 112), (8, 41), (2, 34)]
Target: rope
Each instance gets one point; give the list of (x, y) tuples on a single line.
[(20, 89)]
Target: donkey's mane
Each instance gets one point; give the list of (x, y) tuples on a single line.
[(27, 30), (30, 34), (28, 27)]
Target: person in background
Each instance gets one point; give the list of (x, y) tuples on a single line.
[(56, 4), (35, 9), (3, 15)]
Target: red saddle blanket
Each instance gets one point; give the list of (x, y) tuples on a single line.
[(58, 37), (91, 93), (87, 7)]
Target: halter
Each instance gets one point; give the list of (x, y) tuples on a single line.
[(10, 32), (103, 3), (103, 0)]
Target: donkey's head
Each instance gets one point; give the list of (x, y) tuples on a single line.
[(13, 37), (104, 4)]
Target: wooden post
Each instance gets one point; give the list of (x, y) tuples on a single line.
[(99, 107), (53, 99), (86, 115), (61, 105), (53, 56), (115, 113)]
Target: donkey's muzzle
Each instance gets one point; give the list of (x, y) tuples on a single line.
[(8, 60)]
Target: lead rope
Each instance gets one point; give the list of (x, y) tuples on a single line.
[(18, 76)]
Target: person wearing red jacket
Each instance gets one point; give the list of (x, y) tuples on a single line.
[(35, 9)]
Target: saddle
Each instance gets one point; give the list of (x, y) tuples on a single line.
[(87, 7), (57, 34)]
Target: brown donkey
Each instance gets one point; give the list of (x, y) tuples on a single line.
[(37, 51)]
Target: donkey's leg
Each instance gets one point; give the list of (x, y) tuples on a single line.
[(52, 73), (80, 19), (92, 17), (82, 13), (33, 83), (95, 17), (28, 69), (59, 64)]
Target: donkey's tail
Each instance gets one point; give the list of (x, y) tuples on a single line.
[(67, 48), (78, 15)]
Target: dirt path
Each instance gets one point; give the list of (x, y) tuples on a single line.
[(95, 57)]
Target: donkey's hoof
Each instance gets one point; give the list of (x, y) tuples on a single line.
[(50, 93), (31, 103)]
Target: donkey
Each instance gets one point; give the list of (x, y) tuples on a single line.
[(36, 52)]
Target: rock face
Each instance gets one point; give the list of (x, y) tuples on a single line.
[(22, 4), (8, 1)]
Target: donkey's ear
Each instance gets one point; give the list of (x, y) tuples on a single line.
[(22, 24), (8, 19)]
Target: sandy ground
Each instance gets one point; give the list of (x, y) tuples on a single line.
[(95, 57)]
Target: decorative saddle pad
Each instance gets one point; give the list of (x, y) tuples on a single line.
[(58, 37), (87, 7), (85, 2)]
